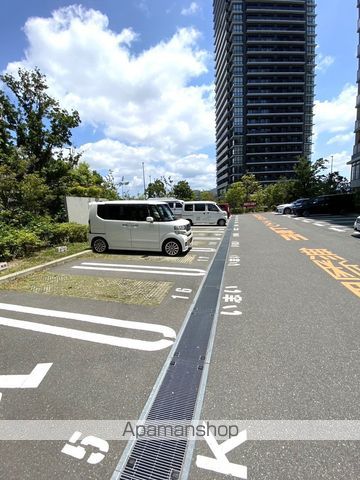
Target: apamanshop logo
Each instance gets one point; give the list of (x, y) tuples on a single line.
[(178, 430)]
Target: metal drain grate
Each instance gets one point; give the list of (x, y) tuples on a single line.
[(162, 459)]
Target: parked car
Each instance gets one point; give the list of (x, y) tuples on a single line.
[(357, 224), (284, 208), (287, 208), (137, 225), (326, 204), (204, 213), (302, 207)]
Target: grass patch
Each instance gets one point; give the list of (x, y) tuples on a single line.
[(149, 293), (43, 256)]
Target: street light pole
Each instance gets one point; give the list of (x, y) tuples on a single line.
[(332, 160), (143, 169)]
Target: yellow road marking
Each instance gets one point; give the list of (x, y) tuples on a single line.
[(337, 267)]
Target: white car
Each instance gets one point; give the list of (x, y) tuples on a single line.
[(357, 224), (285, 209)]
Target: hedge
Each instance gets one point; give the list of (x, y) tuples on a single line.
[(21, 242)]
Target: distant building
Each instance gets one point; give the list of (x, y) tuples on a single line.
[(264, 66), (355, 159)]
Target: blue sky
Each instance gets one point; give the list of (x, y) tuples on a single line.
[(140, 72)]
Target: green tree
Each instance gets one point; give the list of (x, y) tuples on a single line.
[(156, 189), (335, 183), (207, 196), (85, 182), (277, 193), (308, 177), (236, 195), (183, 191), (250, 185), (33, 121)]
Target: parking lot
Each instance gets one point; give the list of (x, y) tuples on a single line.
[(256, 326), (85, 341)]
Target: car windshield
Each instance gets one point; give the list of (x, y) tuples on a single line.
[(161, 213)]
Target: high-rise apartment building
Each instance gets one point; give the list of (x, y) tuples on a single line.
[(355, 159), (264, 65)]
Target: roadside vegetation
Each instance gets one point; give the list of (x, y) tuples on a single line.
[(39, 166), (309, 180)]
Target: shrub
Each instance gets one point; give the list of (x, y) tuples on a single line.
[(69, 232), (17, 242), (58, 233)]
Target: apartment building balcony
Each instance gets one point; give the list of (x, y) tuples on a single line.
[(275, 19), (277, 9), (271, 93), (357, 125), (271, 61), (274, 102), (356, 149), (275, 152), (274, 41), (263, 143), (268, 122)]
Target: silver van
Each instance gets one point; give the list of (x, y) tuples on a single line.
[(137, 225), (204, 213)]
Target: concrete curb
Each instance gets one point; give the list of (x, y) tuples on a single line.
[(27, 271)]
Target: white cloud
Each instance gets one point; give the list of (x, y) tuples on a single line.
[(337, 114), (340, 160), (124, 160), (191, 10), (341, 138), (323, 62), (146, 106), (334, 122)]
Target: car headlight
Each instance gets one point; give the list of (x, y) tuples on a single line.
[(180, 228)]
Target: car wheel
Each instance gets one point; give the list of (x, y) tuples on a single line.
[(306, 213), (221, 222), (172, 248), (287, 211), (99, 245)]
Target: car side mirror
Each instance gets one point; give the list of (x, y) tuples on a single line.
[(149, 219)]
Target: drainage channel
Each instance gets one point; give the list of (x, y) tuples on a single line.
[(175, 401)]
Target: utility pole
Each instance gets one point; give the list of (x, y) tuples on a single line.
[(331, 167)]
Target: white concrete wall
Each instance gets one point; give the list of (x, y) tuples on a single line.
[(78, 208)]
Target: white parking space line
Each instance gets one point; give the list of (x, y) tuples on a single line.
[(339, 229), (320, 224), (82, 317), (215, 239), (32, 380), (131, 343), (114, 267), (203, 250), (208, 229), (88, 336)]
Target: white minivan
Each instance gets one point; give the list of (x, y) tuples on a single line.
[(137, 225), (175, 204), (204, 213)]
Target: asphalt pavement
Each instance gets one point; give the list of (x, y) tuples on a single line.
[(282, 363)]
